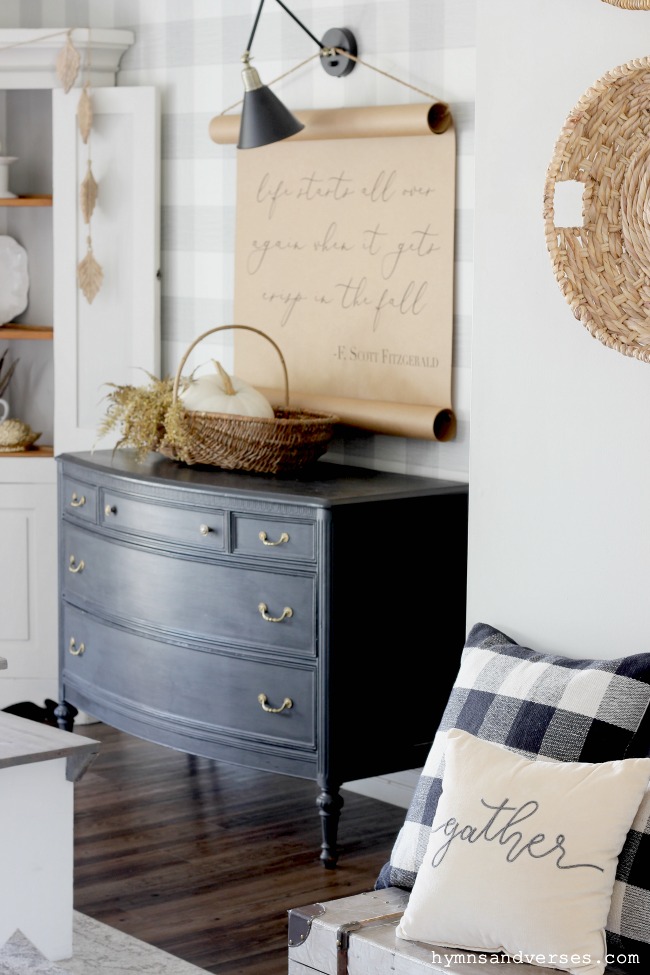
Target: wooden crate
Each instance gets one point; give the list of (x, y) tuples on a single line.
[(356, 936)]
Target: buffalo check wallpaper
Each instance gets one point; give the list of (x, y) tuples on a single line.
[(191, 50)]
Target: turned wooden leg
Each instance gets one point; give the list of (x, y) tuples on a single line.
[(65, 715), (330, 803)]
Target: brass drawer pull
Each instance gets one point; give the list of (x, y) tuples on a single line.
[(76, 501), (75, 650), (282, 540), (264, 701), (110, 509), (75, 566), (287, 613)]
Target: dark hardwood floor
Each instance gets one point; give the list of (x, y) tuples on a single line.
[(204, 859)]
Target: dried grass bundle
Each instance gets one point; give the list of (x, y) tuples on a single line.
[(140, 412)]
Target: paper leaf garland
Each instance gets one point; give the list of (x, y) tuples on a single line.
[(67, 64), (88, 194), (89, 275), (89, 272), (85, 113)]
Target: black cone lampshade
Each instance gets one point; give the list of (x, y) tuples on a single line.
[(264, 119)]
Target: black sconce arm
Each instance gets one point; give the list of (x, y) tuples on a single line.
[(337, 42)]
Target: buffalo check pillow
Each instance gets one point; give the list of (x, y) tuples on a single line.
[(544, 706)]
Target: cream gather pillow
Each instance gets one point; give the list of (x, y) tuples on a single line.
[(522, 855)]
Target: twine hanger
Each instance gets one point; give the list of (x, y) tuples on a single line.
[(29, 40), (440, 122)]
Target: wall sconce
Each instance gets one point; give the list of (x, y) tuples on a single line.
[(264, 119)]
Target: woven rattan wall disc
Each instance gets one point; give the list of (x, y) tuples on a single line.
[(603, 266), (630, 4)]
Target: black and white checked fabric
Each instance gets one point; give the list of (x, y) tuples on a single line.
[(545, 706), (628, 924)]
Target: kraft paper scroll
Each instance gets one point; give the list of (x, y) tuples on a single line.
[(344, 256)]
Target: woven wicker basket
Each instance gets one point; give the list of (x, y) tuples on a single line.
[(287, 442), (603, 265)]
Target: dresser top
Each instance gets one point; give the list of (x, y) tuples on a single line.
[(322, 483)]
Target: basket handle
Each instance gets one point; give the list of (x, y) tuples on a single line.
[(221, 328)]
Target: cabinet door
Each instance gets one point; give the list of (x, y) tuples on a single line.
[(28, 611), (114, 338)]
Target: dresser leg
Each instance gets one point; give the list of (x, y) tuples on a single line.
[(65, 715), (329, 804)]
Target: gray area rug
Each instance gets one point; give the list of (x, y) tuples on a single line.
[(18, 955), (97, 950)]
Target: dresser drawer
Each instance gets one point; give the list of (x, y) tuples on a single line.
[(199, 600), (79, 500), (200, 688), (200, 527), (270, 538)]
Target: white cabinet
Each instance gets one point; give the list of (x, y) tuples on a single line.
[(68, 349), (28, 605)]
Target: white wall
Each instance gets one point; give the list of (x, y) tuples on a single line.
[(560, 449)]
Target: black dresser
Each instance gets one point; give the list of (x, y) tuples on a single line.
[(310, 625)]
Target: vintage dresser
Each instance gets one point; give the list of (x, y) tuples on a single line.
[(309, 625)]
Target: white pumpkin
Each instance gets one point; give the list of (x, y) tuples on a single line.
[(220, 393)]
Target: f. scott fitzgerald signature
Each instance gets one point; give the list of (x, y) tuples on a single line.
[(501, 830)]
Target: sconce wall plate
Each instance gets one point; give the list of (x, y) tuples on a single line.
[(343, 39)]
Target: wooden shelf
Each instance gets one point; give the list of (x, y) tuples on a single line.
[(35, 451), (26, 201), (14, 331)]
